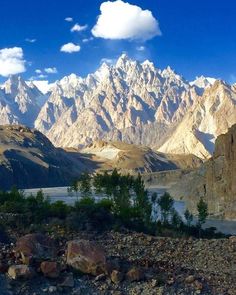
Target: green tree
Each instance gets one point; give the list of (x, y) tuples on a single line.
[(74, 188), (188, 217), (85, 185), (165, 203), (202, 208)]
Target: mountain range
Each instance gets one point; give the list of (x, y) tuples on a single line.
[(129, 101)]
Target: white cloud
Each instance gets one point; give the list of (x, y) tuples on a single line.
[(69, 19), (141, 48), (51, 70), (11, 61), (42, 76), (86, 40), (70, 48), (121, 20), (30, 40), (78, 28), (108, 61), (38, 71)]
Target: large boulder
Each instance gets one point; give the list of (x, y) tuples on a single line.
[(86, 257), (35, 246)]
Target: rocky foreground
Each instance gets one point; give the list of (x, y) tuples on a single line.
[(117, 263)]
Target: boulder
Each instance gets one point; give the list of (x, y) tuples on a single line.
[(135, 274), (116, 276), (50, 269), (86, 257), (35, 246), (20, 271)]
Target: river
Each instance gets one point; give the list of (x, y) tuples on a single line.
[(61, 194)]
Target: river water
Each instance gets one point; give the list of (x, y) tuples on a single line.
[(61, 194)]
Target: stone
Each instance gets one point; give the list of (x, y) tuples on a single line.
[(67, 281), (117, 276), (35, 246), (190, 279), (20, 271), (86, 257), (52, 289), (134, 274), (50, 269)]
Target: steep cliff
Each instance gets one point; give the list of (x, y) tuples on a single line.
[(215, 180)]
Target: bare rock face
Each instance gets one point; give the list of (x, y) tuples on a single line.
[(35, 246), (215, 180), (86, 257), (221, 175)]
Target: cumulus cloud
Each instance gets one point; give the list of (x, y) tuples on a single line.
[(70, 48), (69, 19), (38, 71), (30, 40), (121, 20), (78, 28), (51, 70), (11, 61)]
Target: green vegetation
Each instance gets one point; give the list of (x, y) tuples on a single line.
[(121, 202)]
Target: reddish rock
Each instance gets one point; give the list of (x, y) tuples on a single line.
[(50, 269), (34, 246), (20, 272), (135, 274), (86, 256)]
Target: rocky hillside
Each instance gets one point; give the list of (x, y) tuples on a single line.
[(28, 159), (130, 158), (215, 180), (117, 263)]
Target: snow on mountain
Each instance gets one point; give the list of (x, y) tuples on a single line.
[(128, 101), (129, 94), (203, 82), (18, 102)]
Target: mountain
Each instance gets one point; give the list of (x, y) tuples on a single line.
[(19, 102), (130, 158), (28, 159), (215, 180), (113, 101), (209, 117), (129, 101)]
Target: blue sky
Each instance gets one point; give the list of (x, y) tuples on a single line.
[(198, 37)]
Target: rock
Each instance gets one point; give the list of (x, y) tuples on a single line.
[(198, 285), (50, 269), (135, 274), (67, 281), (20, 272), (35, 246), (100, 277), (232, 239), (52, 289), (86, 256), (116, 276), (190, 279)]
